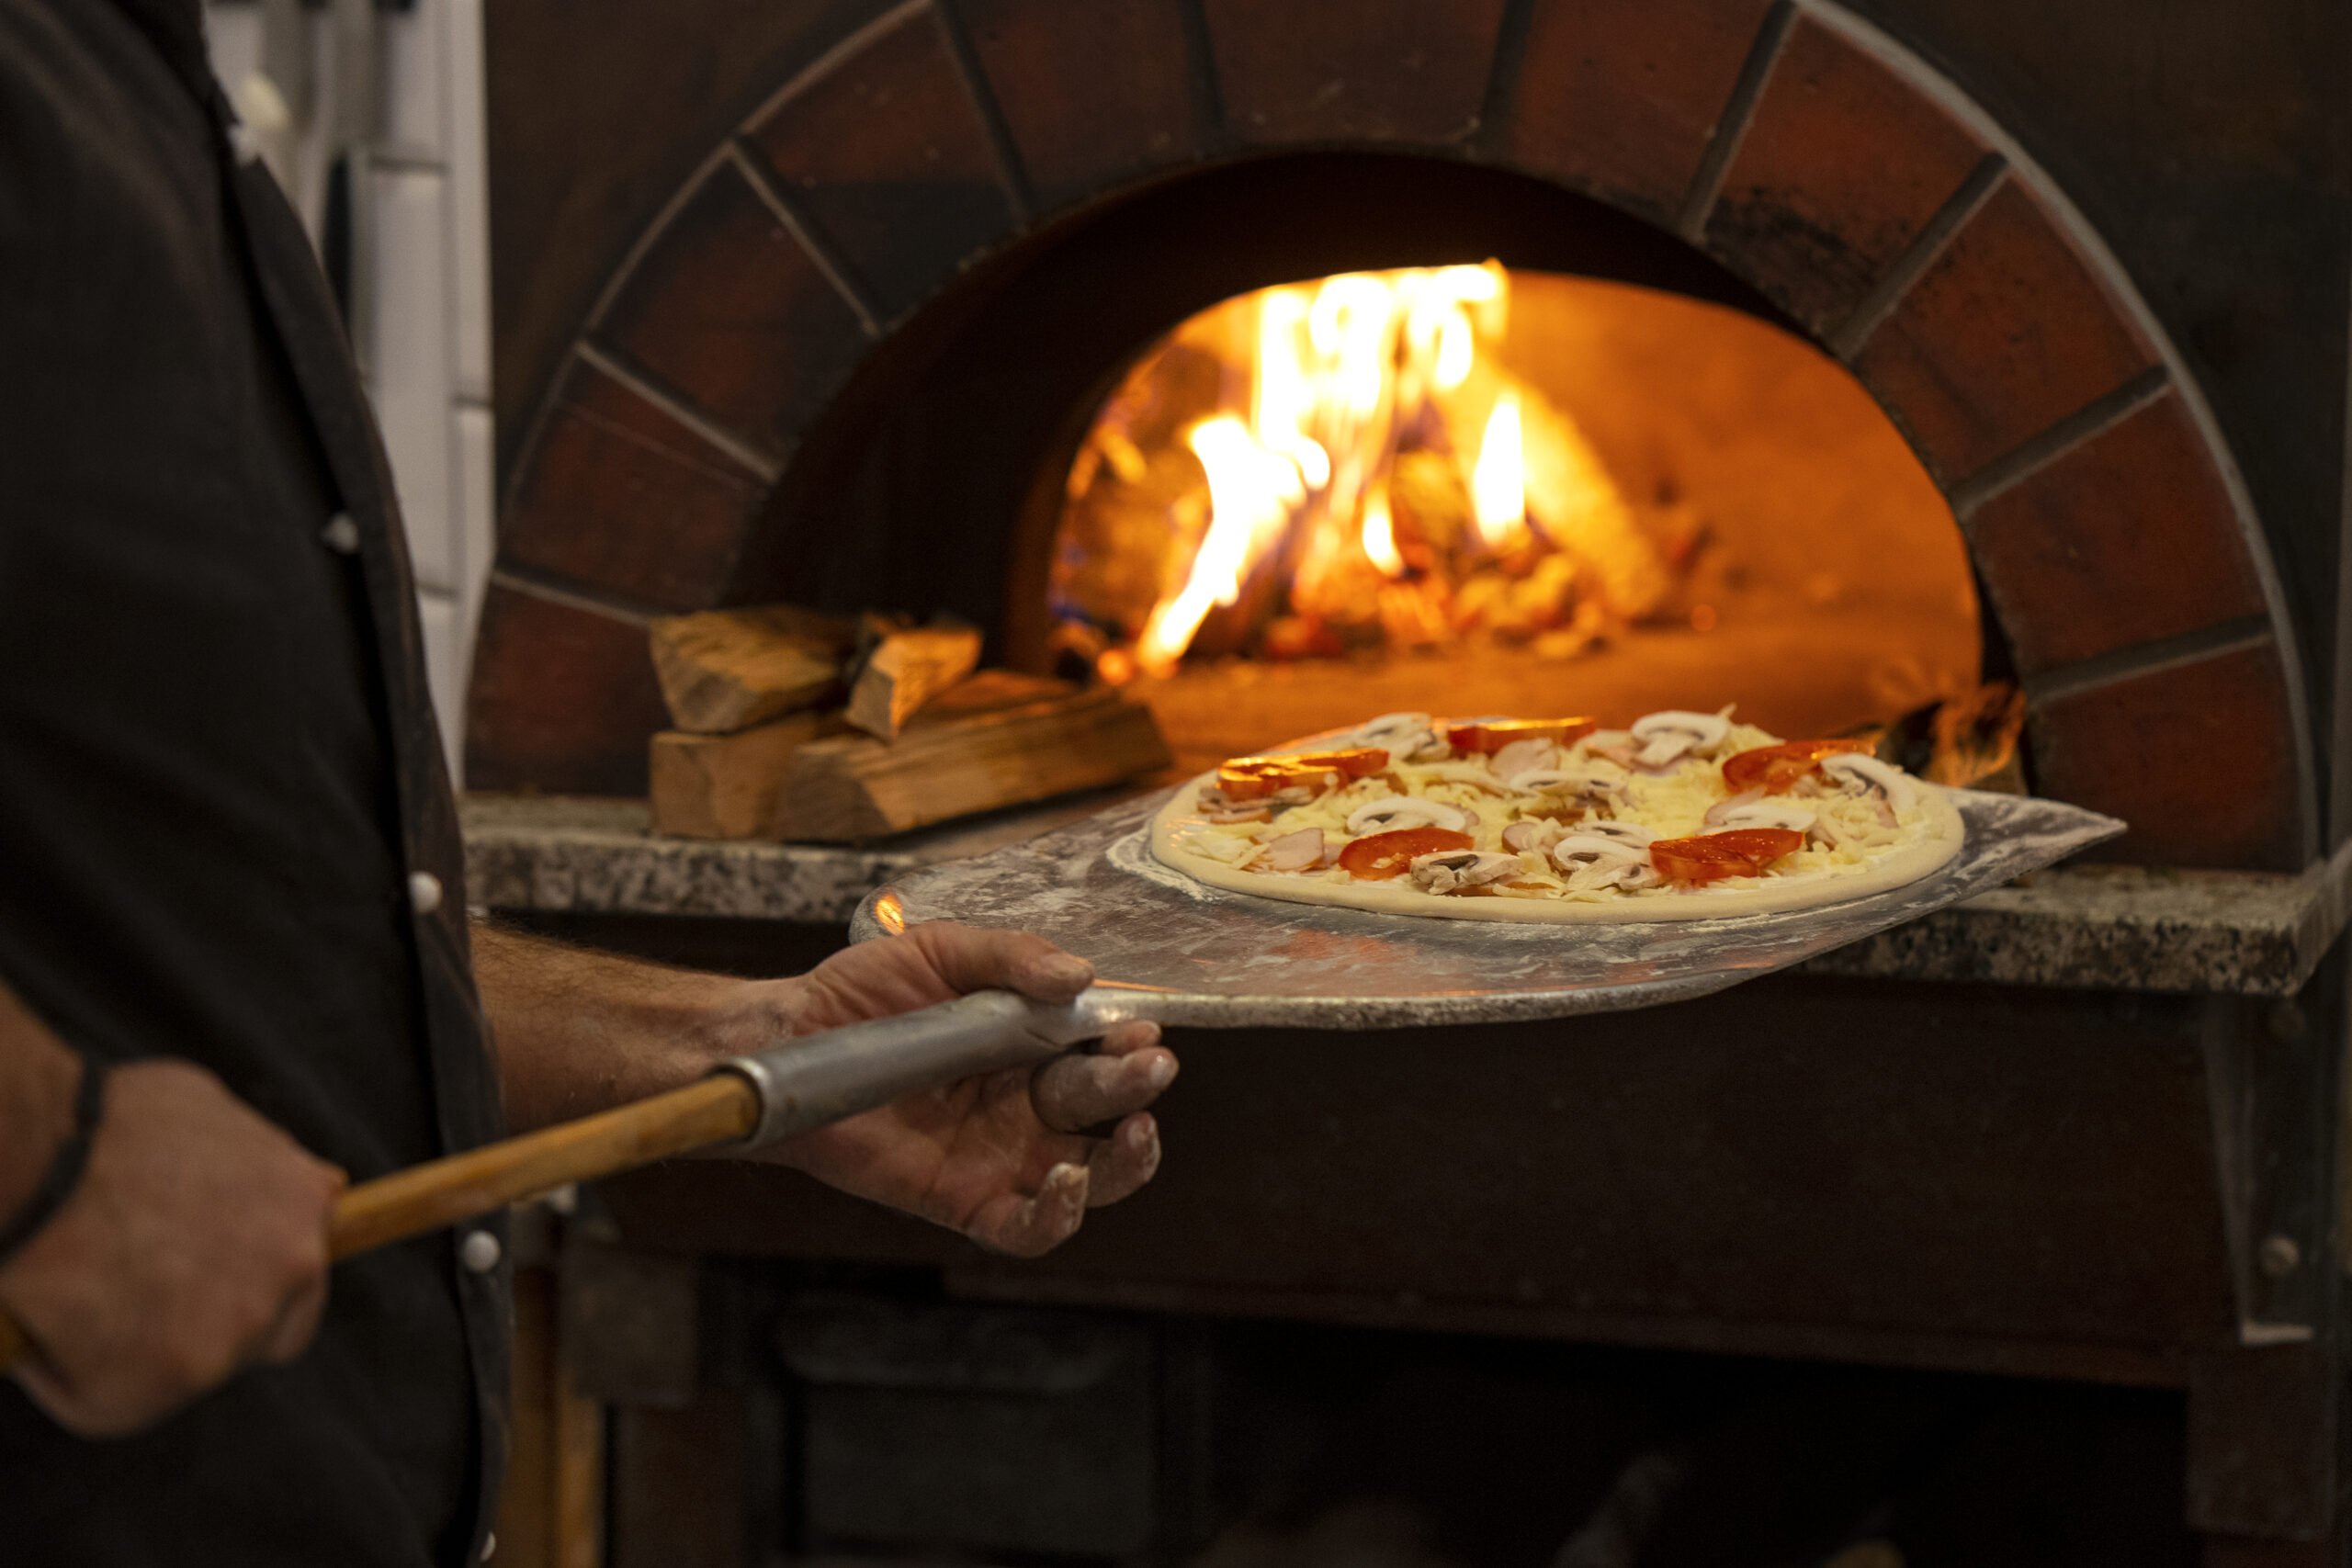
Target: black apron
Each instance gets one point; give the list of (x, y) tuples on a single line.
[(220, 776)]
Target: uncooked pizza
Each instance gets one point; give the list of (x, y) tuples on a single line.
[(1685, 815)]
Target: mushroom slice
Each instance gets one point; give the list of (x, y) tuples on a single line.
[(1592, 860), (1407, 738), (1524, 756), (1722, 809), (1528, 836), (1666, 738), (1395, 811), (1624, 832), (1390, 726), (1450, 871), (1295, 852), (1765, 814), (1860, 773), (1590, 788)]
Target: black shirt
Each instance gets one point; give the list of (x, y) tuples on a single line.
[(220, 775)]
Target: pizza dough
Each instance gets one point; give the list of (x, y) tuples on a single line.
[(1867, 827)]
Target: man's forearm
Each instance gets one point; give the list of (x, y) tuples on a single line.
[(579, 1031), (39, 1077)]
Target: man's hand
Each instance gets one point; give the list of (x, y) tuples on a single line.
[(1006, 1159), (195, 1243), (1009, 1158)]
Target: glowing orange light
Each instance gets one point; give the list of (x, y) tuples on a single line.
[(1328, 385), (1379, 535), (1499, 484)]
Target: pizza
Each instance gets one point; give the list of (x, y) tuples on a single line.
[(1684, 815)]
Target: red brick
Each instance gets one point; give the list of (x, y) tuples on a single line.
[(564, 699), (617, 495), (1844, 162), (1618, 97), (2129, 537), (2009, 332), (1358, 69), (884, 151), (2198, 759), (1094, 95), (726, 307)]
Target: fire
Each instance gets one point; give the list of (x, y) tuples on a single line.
[(1373, 476), (1251, 491), (1379, 535), (1499, 484)]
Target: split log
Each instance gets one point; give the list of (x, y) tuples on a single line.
[(724, 786), (726, 669), (952, 763), (908, 669)]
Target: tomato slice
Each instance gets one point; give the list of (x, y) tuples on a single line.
[(1776, 769), (1384, 855), (1495, 734), (1250, 778), (1711, 857)]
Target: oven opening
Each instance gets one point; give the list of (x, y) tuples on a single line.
[(1478, 489)]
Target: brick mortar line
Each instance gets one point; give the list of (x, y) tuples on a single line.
[(539, 585), (762, 465), (803, 230), (2055, 440), (1012, 171), (1506, 67), (1731, 125), (1926, 246), (1202, 83), (2151, 658)]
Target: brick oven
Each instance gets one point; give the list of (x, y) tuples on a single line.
[(816, 302)]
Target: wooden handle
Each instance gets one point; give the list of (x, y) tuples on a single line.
[(718, 1109)]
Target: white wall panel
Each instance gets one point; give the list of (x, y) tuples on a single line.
[(408, 361), (468, 147)]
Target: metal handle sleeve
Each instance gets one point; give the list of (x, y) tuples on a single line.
[(807, 1083)]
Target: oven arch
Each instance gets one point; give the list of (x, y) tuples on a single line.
[(1843, 180)]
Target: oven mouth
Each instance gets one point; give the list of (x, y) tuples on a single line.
[(1479, 490), (942, 477)]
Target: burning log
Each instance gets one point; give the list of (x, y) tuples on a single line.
[(906, 669), (1566, 491), (728, 669), (969, 751)]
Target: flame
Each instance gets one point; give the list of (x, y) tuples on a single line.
[(1379, 535), (1498, 485), (1351, 381), (1251, 491)]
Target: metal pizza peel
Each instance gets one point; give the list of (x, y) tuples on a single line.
[(1175, 951)]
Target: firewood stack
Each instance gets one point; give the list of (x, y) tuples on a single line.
[(792, 725)]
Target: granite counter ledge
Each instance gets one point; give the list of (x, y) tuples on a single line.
[(2109, 928)]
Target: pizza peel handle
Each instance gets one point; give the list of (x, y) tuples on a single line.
[(750, 1101)]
